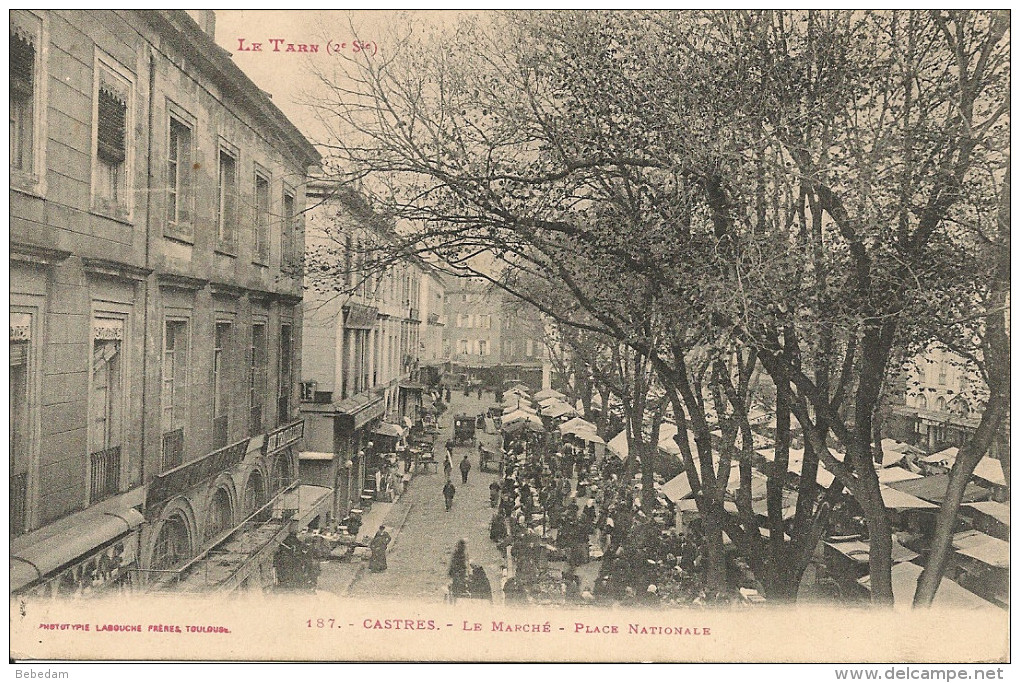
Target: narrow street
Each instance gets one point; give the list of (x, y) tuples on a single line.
[(420, 554)]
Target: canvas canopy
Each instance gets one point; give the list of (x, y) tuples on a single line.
[(576, 423), (950, 594), (557, 410), (898, 500), (589, 436), (548, 393), (933, 489), (946, 455), (986, 549), (891, 475), (996, 510), (519, 416), (677, 488), (990, 470)]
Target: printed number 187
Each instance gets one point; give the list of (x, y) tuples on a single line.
[(321, 623)]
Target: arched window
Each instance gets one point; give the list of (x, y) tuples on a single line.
[(255, 497), (959, 406), (940, 403), (220, 513), (173, 544), (922, 401)]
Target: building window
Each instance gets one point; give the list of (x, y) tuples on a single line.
[(483, 347), (261, 227), (922, 371), (20, 429), (174, 392), (943, 369), (22, 92), (113, 96), (486, 322), (226, 215), (221, 384), (178, 179), (922, 402), (530, 345), (286, 372), (257, 381), (289, 257), (106, 408), (940, 404)]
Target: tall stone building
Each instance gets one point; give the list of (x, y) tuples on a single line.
[(370, 345), (155, 327)]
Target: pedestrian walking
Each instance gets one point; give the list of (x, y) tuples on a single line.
[(377, 562), (465, 467), (479, 393), (448, 493), (458, 571), (478, 585), (494, 493)]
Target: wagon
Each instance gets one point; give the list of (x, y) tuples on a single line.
[(489, 460), (464, 429)]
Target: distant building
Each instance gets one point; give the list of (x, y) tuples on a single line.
[(938, 402), (371, 344), (155, 325), (490, 337)]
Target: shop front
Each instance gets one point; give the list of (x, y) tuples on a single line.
[(354, 421)]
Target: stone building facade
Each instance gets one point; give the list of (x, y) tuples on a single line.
[(155, 327)]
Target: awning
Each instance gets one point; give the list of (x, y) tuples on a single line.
[(860, 550), (987, 549), (548, 393), (520, 415), (996, 510), (361, 409), (315, 455), (891, 475), (933, 489), (618, 445), (576, 423), (677, 488), (950, 593), (389, 429), (946, 455), (558, 410), (990, 470), (898, 500), (76, 543), (589, 436), (551, 401), (524, 407)]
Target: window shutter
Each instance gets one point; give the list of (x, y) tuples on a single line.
[(22, 59), (112, 124)]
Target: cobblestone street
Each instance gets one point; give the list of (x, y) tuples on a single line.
[(420, 554)]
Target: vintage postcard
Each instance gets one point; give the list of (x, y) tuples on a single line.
[(511, 336)]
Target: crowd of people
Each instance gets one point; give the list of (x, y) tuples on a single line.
[(556, 503)]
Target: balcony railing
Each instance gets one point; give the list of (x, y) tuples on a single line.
[(105, 474), (19, 503), (173, 450), (220, 431)]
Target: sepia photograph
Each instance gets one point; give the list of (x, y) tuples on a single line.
[(511, 336)]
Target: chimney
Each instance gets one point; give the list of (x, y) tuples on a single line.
[(206, 20)]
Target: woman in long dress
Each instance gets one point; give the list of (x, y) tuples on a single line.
[(458, 571), (382, 538)]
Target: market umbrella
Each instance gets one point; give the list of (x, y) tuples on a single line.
[(575, 423)]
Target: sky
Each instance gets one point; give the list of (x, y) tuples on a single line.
[(288, 76)]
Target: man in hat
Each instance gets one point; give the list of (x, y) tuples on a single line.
[(449, 490), (465, 467)]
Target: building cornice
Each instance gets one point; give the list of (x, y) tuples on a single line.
[(41, 256), (121, 271)]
